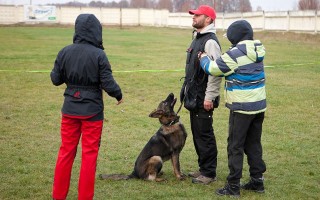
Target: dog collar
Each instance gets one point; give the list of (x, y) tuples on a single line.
[(176, 120)]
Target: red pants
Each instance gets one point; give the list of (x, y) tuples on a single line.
[(71, 131)]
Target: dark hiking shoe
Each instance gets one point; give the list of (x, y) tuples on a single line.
[(194, 174), (203, 180), (255, 184), (232, 190)]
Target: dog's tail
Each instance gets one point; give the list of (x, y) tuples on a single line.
[(115, 177)]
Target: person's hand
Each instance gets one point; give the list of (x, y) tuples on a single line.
[(208, 105), (201, 54), (119, 102)]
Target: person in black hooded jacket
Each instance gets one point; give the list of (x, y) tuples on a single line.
[(84, 67)]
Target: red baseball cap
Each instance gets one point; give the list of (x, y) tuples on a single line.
[(204, 10)]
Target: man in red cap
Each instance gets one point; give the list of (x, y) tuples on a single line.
[(200, 93)]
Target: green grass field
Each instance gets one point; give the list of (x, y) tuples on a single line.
[(30, 114)]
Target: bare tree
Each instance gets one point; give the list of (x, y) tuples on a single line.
[(197, 3), (165, 4), (232, 5), (174, 5), (138, 3), (182, 5), (97, 4), (73, 4), (309, 5), (245, 6), (124, 4)]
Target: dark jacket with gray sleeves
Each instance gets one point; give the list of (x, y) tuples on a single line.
[(196, 80)]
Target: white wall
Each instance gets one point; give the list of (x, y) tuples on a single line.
[(11, 14), (302, 21)]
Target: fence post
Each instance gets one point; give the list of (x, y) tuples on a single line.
[(154, 17), (288, 21), (120, 17), (263, 20), (316, 21), (139, 16), (101, 19), (223, 19)]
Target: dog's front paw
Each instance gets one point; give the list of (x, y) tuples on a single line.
[(182, 177), (160, 180)]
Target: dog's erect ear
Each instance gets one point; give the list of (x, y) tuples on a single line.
[(156, 114)]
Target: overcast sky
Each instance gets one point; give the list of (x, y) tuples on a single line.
[(267, 5), (274, 5)]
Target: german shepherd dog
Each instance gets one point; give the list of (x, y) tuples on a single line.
[(165, 144)]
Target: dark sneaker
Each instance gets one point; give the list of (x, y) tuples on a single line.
[(203, 180), (194, 174), (255, 184), (232, 190)]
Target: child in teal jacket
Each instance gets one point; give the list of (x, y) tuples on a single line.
[(243, 69)]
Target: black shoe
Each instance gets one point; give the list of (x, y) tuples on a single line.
[(232, 190), (255, 184)]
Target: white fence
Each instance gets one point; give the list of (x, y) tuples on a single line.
[(300, 21)]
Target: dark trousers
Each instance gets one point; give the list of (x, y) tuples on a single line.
[(204, 141), (245, 137)]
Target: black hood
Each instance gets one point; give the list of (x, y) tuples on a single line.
[(238, 31), (88, 30)]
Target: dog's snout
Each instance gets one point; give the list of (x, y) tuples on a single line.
[(173, 102), (170, 97)]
